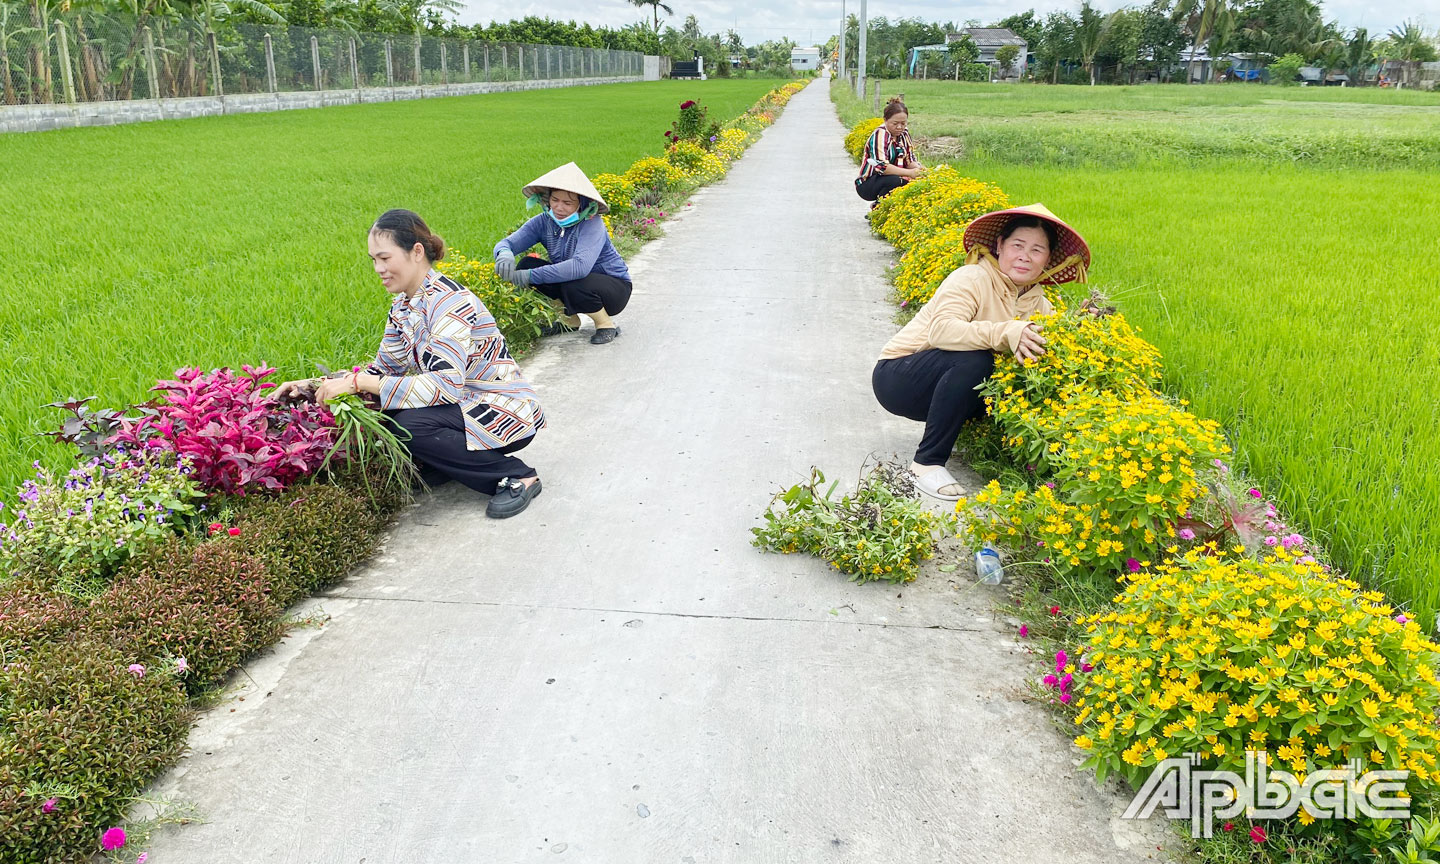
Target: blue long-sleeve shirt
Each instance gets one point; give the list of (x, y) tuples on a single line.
[(575, 252)]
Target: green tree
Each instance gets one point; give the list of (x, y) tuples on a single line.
[(961, 52), (1284, 70), (1005, 58), (1057, 43)]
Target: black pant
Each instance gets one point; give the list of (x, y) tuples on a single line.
[(588, 294), (878, 185), (437, 442), (937, 387)]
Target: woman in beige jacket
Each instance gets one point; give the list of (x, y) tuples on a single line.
[(930, 369)]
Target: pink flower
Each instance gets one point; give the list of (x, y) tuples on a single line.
[(1254, 493), (1065, 680), (1293, 540), (1228, 826), (1308, 559), (1402, 619), (1086, 667), (143, 857), (1061, 658), (1051, 681), (49, 805), (904, 303), (1258, 834), (112, 839), (181, 665), (1066, 697), (1132, 565), (234, 532), (137, 670), (1186, 534), (1271, 540), (1024, 631)]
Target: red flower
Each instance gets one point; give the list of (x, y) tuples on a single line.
[(688, 103), (1257, 834), (215, 526), (234, 532), (1229, 826), (1054, 610)]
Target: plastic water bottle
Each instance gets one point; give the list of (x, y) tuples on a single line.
[(987, 565)]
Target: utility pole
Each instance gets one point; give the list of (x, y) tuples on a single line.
[(860, 68), (841, 70)]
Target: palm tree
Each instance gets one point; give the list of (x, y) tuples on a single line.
[(1409, 43), (656, 6), (1089, 35), (1359, 54), (1200, 18)]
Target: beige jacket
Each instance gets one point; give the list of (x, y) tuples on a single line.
[(975, 308)]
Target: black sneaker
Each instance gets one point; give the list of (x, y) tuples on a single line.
[(604, 335), (556, 328), (511, 497)]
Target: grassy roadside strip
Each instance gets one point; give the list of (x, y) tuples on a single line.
[(1229, 632), (133, 587)]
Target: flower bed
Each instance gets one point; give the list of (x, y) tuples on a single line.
[(1229, 631), (147, 574)]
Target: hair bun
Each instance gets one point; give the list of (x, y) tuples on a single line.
[(435, 248)]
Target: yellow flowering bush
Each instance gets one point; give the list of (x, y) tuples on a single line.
[(938, 199), (855, 140), (1083, 351), (616, 190), (731, 144), (652, 173), (1215, 654), (694, 163)]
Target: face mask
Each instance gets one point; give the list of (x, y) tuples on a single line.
[(567, 221)]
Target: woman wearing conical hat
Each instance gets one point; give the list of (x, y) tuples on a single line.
[(584, 273), (930, 369)]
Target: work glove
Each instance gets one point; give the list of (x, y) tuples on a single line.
[(505, 266), (521, 278)]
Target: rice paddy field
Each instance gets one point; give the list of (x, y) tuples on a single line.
[(1280, 248), (139, 249)]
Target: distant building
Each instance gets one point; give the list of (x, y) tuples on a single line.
[(990, 40), (805, 59)]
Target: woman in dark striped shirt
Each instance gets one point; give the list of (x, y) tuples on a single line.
[(888, 161)]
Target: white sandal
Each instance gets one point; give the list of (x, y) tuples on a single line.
[(937, 479)]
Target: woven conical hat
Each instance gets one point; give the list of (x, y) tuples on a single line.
[(985, 231), (570, 178)]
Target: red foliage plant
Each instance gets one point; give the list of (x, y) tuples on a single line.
[(237, 438)]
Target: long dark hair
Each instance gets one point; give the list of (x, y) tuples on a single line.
[(406, 228)]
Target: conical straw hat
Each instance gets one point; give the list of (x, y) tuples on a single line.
[(570, 178), (1073, 252)]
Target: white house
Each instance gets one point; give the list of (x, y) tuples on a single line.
[(805, 59)]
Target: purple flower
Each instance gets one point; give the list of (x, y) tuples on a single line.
[(1061, 658), (1024, 631), (1186, 534), (1254, 493), (49, 805), (1402, 619), (1271, 540), (137, 670), (112, 839), (1132, 565), (1065, 697), (1051, 681), (1065, 681), (1086, 667)]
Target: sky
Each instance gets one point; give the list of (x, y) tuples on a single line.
[(813, 21)]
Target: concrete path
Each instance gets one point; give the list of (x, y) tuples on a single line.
[(617, 675)]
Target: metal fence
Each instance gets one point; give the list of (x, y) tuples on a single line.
[(80, 56)]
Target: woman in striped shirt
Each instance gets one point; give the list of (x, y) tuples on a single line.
[(888, 161), (443, 373)]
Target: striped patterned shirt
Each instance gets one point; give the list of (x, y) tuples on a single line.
[(442, 347), (882, 149)]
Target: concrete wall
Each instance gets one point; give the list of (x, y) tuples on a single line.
[(37, 118), (652, 67)]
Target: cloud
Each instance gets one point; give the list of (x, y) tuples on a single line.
[(813, 21)]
